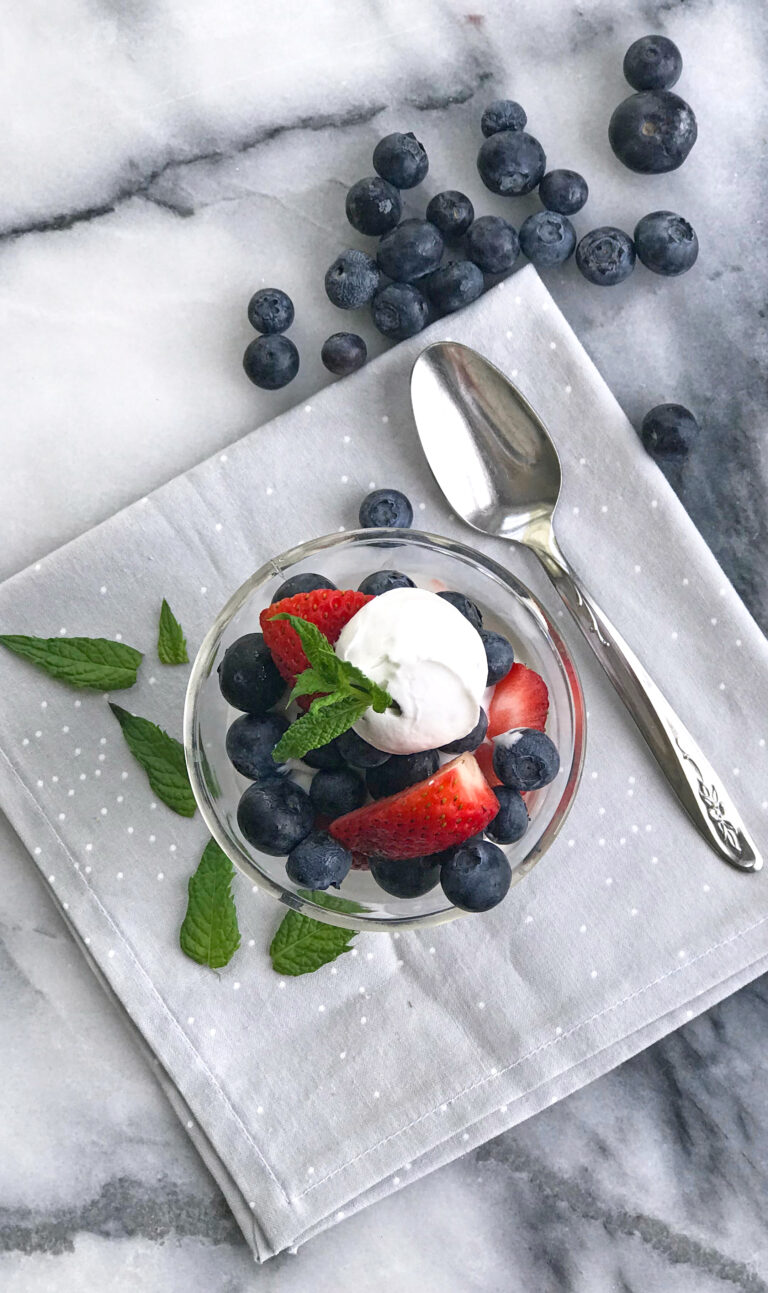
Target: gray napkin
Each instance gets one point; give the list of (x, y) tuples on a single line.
[(311, 1097)]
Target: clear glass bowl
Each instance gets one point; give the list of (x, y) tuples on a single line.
[(432, 563)]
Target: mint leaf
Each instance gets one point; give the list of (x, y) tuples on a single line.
[(83, 662), (308, 682), (326, 719), (161, 757), (209, 932), (331, 901), (171, 643), (315, 644), (301, 944)]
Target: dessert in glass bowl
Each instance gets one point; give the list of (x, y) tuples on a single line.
[(384, 728)]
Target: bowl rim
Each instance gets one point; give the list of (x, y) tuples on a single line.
[(201, 668)]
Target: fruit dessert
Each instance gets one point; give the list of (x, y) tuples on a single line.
[(385, 728)]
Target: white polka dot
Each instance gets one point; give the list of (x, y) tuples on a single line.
[(604, 508), (736, 772), (713, 619), (152, 838), (211, 1032), (371, 484), (529, 920), (120, 799), (70, 793), (281, 984), (345, 480), (189, 1123), (738, 642), (25, 741), (321, 1009), (236, 986), (633, 911), (518, 300), (123, 776), (722, 591), (118, 637), (674, 635), (385, 419), (431, 951), (224, 458), (721, 686), (553, 345), (654, 502), (705, 888), (654, 861), (686, 583), (51, 879), (395, 1180), (593, 974), (251, 941), (171, 848), (601, 841), (37, 565), (111, 952), (97, 773), (62, 817), (62, 632), (638, 569), (38, 734), (422, 507), (339, 1216), (347, 439), (681, 956), (78, 751), (568, 389), (65, 905), (353, 952), (342, 1055), (307, 408), (465, 1135), (623, 839), (443, 1108), (363, 1019), (509, 335), (89, 848), (270, 491), (558, 1031), (103, 589), (40, 783), (376, 1095), (217, 527), (609, 879), (161, 875), (582, 462), (571, 843), (369, 956), (575, 511), (87, 942)]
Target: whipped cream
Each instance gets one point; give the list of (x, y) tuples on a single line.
[(431, 661)]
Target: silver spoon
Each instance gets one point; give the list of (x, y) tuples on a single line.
[(497, 466)]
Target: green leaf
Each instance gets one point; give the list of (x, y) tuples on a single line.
[(301, 944), (331, 900), (308, 682), (316, 646), (326, 719), (209, 932), (161, 757), (171, 643), (378, 698), (83, 662)]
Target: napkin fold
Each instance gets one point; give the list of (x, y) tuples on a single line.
[(312, 1097)]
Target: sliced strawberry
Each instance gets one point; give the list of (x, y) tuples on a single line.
[(484, 756), (433, 815), (519, 700), (328, 608)]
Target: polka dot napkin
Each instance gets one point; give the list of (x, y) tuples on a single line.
[(311, 1097)]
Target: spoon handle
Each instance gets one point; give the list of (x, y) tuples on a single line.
[(694, 780)]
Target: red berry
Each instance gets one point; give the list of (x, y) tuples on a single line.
[(327, 608), (435, 814), (484, 756), (520, 700)]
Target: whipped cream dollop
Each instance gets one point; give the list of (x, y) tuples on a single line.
[(431, 661)]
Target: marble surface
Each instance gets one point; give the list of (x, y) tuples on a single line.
[(162, 161)]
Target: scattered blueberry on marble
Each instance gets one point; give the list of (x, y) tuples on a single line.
[(499, 654), (275, 815), (666, 243), (653, 132), (400, 311), (606, 256), (383, 581), (385, 508), (454, 285), (406, 877), (373, 206), (465, 607), (502, 114), (511, 822), (563, 191), (451, 212), (472, 739), (547, 238), (250, 742), (401, 159), (476, 877), (335, 792), (248, 676), (271, 362), (492, 243), (410, 251), (653, 63), (305, 583), (270, 310), (358, 752), (525, 759), (343, 353), (401, 771), (327, 757), (668, 431), (318, 861), (352, 280), (511, 163)]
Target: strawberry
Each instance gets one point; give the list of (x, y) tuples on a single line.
[(520, 700), (327, 608), (425, 818), (484, 756)]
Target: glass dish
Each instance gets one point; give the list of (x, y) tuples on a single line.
[(434, 563)]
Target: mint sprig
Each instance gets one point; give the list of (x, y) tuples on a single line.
[(302, 945), (98, 663), (345, 694), (162, 758), (171, 643), (209, 933)]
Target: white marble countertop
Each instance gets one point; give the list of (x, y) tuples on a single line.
[(160, 162)]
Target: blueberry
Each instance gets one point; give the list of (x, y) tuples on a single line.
[(465, 607), (385, 508), (666, 243), (451, 212), (354, 750), (326, 756), (547, 238), (653, 63), (477, 877), (248, 676), (563, 191), (305, 583), (373, 206), (472, 739), (250, 742), (499, 654), (400, 311), (352, 280), (454, 285), (270, 310), (401, 771), (410, 251), (511, 821), (275, 815), (653, 131), (318, 861), (525, 759), (401, 159), (382, 581), (606, 256), (502, 114), (271, 362), (405, 877), (668, 431), (336, 792), (343, 353), (493, 245), (511, 163)]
